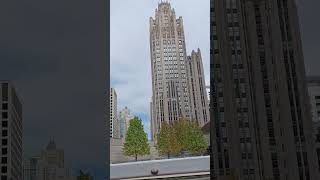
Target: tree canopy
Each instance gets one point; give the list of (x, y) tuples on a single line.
[(182, 135), (167, 143), (136, 141)]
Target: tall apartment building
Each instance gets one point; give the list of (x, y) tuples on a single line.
[(124, 120), (261, 115), (171, 92), (11, 132), (114, 123)]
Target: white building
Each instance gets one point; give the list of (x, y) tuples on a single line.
[(114, 123)]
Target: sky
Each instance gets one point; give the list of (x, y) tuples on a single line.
[(55, 53), (130, 64)]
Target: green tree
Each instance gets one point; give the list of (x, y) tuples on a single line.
[(136, 141), (167, 143), (190, 137), (84, 176)]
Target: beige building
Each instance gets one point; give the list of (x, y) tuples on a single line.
[(172, 97), (198, 91), (262, 126)]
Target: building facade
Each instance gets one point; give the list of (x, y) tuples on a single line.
[(171, 92), (114, 123), (124, 120), (11, 132), (197, 86), (261, 115), (30, 167), (314, 95)]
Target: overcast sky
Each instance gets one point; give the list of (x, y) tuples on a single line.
[(130, 50)]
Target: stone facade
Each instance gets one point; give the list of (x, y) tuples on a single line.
[(262, 126), (172, 94)]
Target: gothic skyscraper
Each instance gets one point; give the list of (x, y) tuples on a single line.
[(172, 97)]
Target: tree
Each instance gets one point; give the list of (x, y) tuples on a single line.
[(167, 141), (136, 141), (190, 137), (196, 143), (84, 176)]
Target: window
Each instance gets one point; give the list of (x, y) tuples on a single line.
[(4, 115), (4, 133), (4, 160), (5, 92), (5, 106), (4, 142), (3, 169), (4, 151), (4, 178), (4, 123)]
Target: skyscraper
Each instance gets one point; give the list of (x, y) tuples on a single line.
[(124, 120), (114, 124), (171, 92), (198, 93), (262, 122), (11, 132), (314, 95)]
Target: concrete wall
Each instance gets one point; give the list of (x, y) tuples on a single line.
[(164, 167)]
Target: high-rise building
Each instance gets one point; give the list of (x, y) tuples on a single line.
[(171, 92), (124, 120), (50, 165), (30, 168), (314, 95), (11, 132), (53, 156), (261, 114), (198, 91), (114, 123)]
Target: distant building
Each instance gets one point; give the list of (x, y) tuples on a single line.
[(30, 166), (124, 120), (11, 132), (48, 166), (114, 123), (53, 156), (314, 95)]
